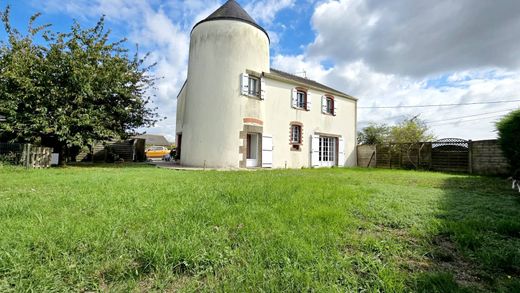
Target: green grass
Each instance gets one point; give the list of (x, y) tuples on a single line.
[(139, 228)]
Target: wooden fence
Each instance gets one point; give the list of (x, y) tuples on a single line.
[(451, 155), (132, 150), (27, 155)]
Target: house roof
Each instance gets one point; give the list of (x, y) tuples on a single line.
[(154, 139), (308, 82), (231, 10)]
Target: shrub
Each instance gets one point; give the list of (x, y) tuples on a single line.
[(509, 138)]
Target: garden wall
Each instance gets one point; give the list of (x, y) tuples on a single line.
[(481, 157), (487, 158)]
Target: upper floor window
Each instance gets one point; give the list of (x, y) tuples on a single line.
[(328, 105), (300, 99), (254, 86)]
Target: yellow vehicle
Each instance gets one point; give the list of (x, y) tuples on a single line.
[(156, 152)]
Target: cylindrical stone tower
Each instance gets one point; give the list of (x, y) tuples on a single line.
[(222, 47)]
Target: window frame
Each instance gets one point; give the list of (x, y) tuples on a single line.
[(296, 144), (301, 93), (330, 110), (296, 128), (250, 92), (305, 92)]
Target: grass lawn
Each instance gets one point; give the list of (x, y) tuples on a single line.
[(144, 229)]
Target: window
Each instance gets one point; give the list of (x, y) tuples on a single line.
[(157, 148), (254, 86), (301, 99), (328, 105), (296, 134)]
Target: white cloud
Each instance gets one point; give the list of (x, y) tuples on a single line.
[(419, 38), (266, 10)]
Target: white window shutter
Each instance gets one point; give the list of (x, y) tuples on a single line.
[(294, 98), (309, 103), (323, 104), (315, 150), (244, 83), (262, 88), (267, 151), (335, 113), (341, 152)]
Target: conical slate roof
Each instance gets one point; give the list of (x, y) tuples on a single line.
[(231, 10)]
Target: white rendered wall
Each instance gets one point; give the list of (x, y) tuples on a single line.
[(219, 52), (279, 114), (181, 102)]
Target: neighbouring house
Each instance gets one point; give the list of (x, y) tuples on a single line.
[(154, 139), (234, 111)]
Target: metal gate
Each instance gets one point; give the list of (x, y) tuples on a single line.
[(450, 154)]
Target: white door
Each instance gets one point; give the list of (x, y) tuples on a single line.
[(267, 151), (252, 150), (327, 151)]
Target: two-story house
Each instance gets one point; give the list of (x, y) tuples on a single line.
[(234, 111)]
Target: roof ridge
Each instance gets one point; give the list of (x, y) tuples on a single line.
[(309, 82)]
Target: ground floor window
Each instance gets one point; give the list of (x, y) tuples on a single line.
[(327, 151), (296, 136)]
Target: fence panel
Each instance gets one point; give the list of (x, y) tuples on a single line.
[(452, 155), (11, 153), (26, 155)]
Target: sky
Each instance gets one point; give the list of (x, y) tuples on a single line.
[(386, 53)]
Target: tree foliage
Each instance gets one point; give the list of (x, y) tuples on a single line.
[(71, 89), (407, 131), (509, 138), (411, 131), (374, 134)]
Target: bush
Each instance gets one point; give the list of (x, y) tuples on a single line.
[(509, 138)]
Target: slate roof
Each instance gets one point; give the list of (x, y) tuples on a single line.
[(152, 139), (308, 82), (231, 10)]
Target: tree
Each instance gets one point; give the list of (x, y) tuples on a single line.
[(509, 138), (71, 89), (411, 131), (374, 134)]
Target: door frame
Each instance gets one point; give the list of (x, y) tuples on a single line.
[(253, 159), (318, 163)]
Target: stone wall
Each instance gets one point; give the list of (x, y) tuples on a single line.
[(487, 158)]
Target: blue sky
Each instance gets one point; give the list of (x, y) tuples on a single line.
[(386, 53)]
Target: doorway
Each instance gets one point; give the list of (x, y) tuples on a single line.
[(253, 148), (327, 151)]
